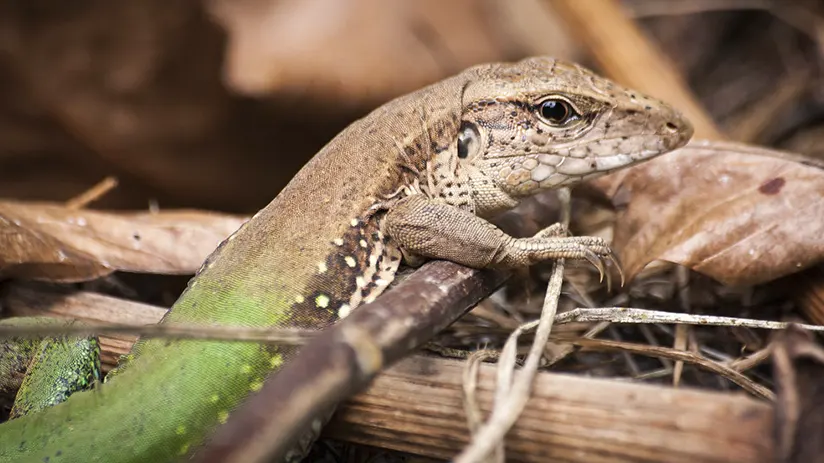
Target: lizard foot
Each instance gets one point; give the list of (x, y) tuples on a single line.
[(595, 250)]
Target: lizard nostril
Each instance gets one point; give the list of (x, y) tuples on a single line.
[(671, 126)]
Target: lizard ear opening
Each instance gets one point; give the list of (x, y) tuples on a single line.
[(469, 140)]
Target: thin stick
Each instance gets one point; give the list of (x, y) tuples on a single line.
[(631, 315), (673, 354), (281, 336), (297, 337), (512, 393), (505, 413), (92, 194)]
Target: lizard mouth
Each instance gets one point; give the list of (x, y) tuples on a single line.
[(523, 175)]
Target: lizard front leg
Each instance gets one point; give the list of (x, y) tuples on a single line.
[(432, 229)]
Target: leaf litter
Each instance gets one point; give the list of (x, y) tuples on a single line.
[(51, 242)]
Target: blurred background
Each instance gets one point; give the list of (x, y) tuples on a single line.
[(216, 104)]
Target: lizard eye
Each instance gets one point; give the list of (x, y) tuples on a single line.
[(558, 112), (468, 140)]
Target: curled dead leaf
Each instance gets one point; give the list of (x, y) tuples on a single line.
[(737, 213), (54, 243)]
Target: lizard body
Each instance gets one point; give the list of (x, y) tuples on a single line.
[(416, 178)]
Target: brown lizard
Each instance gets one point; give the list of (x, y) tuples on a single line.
[(415, 179)]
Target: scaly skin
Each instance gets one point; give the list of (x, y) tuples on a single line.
[(417, 176)]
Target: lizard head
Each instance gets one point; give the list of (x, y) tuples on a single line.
[(543, 123)]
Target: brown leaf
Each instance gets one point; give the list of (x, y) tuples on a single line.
[(740, 214), (53, 243)]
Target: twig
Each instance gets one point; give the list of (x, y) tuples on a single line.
[(92, 194), (512, 393), (750, 361), (631, 315), (673, 354), (507, 411), (283, 336), (682, 275), (297, 337), (474, 417)]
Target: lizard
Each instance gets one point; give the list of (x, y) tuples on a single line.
[(418, 178)]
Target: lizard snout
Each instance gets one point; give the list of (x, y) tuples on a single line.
[(675, 129)]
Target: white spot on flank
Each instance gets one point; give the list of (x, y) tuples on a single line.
[(359, 281), (381, 282), (322, 267), (354, 222), (322, 301), (350, 261), (344, 310), (363, 244), (299, 299), (338, 241)]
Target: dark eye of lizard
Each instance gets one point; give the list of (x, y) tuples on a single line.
[(558, 112)]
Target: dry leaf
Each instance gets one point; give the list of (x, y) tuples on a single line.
[(53, 243), (740, 214)]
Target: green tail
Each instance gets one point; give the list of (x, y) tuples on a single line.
[(162, 406)]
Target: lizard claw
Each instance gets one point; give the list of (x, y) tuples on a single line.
[(598, 254), (596, 261), (617, 263)]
